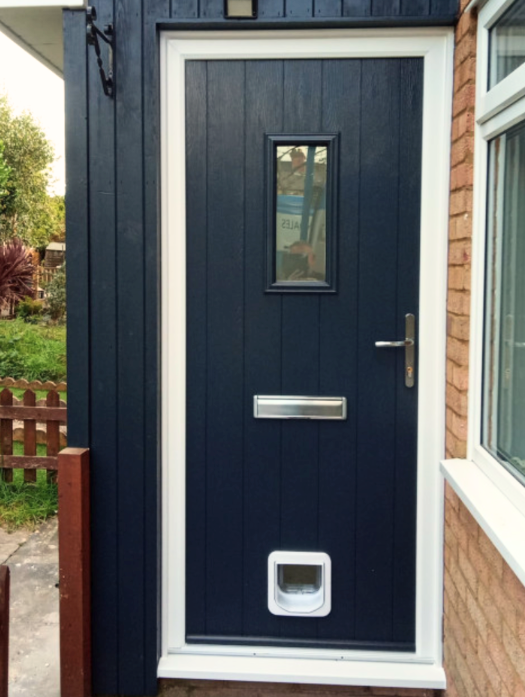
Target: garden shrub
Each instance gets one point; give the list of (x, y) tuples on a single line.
[(29, 310)]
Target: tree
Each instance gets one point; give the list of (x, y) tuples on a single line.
[(5, 172), (56, 294), (26, 209)]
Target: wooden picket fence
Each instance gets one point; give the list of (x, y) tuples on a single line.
[(43, 275), (30, 413)]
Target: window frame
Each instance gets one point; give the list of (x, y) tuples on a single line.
[(494, 496)]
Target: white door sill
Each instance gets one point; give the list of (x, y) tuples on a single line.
[(298, 670)]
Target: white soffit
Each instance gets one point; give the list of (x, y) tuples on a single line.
[(36, 26)]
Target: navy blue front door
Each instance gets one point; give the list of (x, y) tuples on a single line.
[(255, 486)]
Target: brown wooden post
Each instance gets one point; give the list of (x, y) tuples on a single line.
[(53, 433), (29, 435), (74, 572), (4, 630), (6, 434)]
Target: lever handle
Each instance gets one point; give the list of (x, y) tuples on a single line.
[(408, 344), (395, 344)]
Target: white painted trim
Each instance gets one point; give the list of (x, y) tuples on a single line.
[(501, 95), (504, 93), (503, 523), (423, 668), (335, 672), (15, 4), (30, 49)]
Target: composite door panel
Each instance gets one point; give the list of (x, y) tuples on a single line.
[(254, 486)]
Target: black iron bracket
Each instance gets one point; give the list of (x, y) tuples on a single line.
[(93, 34)]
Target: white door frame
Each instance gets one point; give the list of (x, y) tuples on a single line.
[(179, 660)]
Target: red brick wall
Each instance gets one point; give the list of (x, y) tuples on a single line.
[(201, 688), (484, 613), (484, 624), (460, 234)]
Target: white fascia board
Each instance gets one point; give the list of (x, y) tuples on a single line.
[(15, 4)]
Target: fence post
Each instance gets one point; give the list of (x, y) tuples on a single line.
[(6, 434), (29, 435), (4, 630), (52, 433), (74, 572)]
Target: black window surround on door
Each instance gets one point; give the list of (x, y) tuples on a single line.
[(331, 142)]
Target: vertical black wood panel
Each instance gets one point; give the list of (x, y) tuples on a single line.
[(78, 227), (415, 8), (328, 8), (104, 361), (184, 9), (444, 8), (197, 264), (271, 8), (338, 353), (154, 10), (226, 85), (385, 8), (262, 438), (300, 353), (212, 9), (376, 367), (405, 492), (298, 8), (357, 8), (131, 338)]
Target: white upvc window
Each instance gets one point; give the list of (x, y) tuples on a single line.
[(492, 480)]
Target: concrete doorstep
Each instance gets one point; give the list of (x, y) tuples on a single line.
[(32, 558)]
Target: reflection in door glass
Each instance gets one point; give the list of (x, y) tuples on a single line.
[(301, 213)]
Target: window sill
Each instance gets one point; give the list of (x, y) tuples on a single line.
[(498, 517), (298, 670)]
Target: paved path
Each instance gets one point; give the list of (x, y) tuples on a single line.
[(34, 638)]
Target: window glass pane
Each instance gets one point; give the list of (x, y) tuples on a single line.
[(300, 217), (504, 373), (507, 43)]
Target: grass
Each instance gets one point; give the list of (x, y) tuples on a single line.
[(32, 351), (27, 505), (40, 394)]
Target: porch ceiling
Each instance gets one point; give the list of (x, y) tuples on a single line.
[(36, 26)]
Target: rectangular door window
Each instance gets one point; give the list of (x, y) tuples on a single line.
[(300, 211)]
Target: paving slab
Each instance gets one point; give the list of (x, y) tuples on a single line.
[(34, 627), (10, 542)]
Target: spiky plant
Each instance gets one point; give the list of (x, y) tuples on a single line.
[(16, 272)]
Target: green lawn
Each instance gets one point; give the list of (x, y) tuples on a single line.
[(40, 394), (27, 505), (32, 351)]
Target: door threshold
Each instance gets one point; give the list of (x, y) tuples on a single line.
[(409, 674)]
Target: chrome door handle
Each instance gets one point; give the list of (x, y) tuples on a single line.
[(408, 344), (395, 344)]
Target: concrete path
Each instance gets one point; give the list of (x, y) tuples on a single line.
[(34, 632)]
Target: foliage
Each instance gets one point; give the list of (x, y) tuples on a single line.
[(29, 310), (26, 210), (16, 272), (27, 505), (56, 294), (33, 352), (5, 172)]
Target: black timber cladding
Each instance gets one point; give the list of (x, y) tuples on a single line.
[(112, 162)]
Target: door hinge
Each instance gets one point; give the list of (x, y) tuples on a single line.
[(93, 34)]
